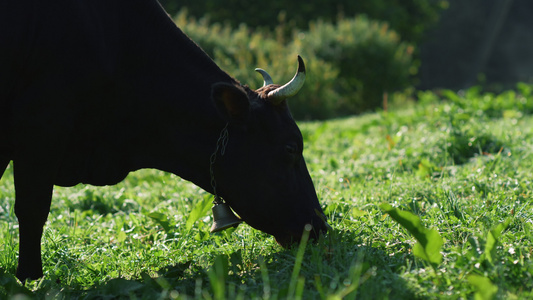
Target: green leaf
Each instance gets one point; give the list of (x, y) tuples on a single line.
[(485, 289), (431, 252), (199, 210), (160, 218), (425, 169), (492, 240), (407, 220), (356, 213), (121, 237), (452, 96), (9, 283), (429, 240)]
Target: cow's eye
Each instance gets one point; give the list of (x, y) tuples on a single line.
[(291, 149), (292, 154)]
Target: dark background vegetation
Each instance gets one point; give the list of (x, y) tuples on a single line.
[(360, 52), (486, 42)]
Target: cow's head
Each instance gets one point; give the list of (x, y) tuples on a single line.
[(262, 174)]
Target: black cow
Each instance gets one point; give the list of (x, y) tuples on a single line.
[(91, 90)]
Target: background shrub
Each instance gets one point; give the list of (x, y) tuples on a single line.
[(410, 18), (239, 51), (370, 59), (349, 64)]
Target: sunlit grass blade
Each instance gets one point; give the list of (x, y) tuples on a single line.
[(265, 278), (295, 281), (217, 276)]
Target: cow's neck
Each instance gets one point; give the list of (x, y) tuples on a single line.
[(173, 93)]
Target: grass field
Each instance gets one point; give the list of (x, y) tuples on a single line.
[(456, 169)]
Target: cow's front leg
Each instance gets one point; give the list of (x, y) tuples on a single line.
[(33, 188)]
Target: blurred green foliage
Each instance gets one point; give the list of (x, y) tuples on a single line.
[(356, 51), (410, 18), (350, 64), (369, 57)]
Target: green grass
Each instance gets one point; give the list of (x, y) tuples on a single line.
[(461, 164)]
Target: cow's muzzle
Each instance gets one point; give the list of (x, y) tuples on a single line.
[(313, 230)]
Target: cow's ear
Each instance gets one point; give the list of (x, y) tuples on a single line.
[(231, 101)]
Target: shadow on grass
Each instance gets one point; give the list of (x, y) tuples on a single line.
[(339, 266)]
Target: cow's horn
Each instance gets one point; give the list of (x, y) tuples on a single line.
[(292, 87), (266, 78)]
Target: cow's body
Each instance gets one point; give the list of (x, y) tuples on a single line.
[(107, 82), (93, 89)]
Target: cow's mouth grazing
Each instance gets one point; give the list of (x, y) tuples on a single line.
[(308, 233)]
